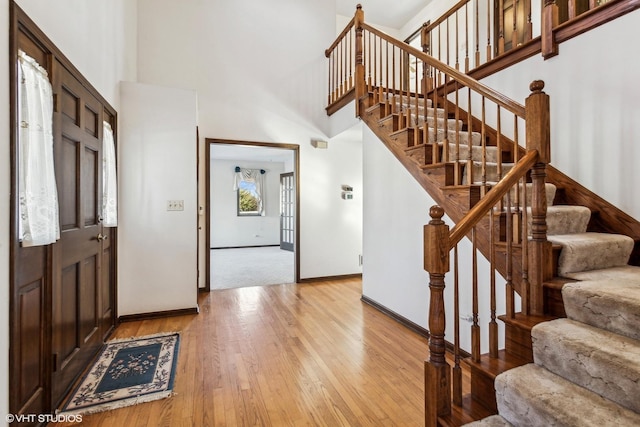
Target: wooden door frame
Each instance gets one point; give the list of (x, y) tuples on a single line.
[(296, 171)]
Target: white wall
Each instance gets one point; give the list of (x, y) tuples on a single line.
[(261, 75), (594, 109), (227, 228), (98, 38), (157, 248), (105, 59), (396, 208), (331, 229)]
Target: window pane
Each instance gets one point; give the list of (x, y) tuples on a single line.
[(248, 199)]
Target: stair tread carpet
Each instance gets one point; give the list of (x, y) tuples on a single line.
[(477, 151), (490, 170), (622, 272), (575, 351), (453, 136), (591, 251), (550, 191), (452, 124), (566, 219), (613, 305), (409, 100), (532, 396), (492, 421)]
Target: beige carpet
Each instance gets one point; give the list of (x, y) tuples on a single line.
[(242, 267)]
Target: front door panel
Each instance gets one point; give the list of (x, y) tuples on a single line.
[(76, 287)]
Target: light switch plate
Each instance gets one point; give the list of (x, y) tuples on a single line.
[(175, 205)]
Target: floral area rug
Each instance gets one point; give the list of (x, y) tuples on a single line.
[(127, 372)]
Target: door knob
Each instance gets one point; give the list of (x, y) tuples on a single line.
[(101, 237)]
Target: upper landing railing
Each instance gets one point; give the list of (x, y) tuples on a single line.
[(484, 36)]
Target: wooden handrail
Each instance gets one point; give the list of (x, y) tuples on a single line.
[(447, 14), (487, 202), (338, 39), (500, 99)]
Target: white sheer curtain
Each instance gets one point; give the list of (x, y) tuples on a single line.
[(37, 193), (252, 175), (109, 182)]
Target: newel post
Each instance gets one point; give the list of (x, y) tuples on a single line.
[(549, 22), (437, 372), (538, 138), (360, 81)]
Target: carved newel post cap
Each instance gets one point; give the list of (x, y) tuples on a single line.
[(536, 86), (436, 213)]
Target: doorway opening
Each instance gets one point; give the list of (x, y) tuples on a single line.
[(248, 246)]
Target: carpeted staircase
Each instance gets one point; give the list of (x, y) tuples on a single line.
[(586, 369)]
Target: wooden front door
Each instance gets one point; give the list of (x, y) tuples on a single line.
[(287, 211), (63, 298), (77, 258)]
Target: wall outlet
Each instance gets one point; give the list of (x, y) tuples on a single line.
[(175, 205)]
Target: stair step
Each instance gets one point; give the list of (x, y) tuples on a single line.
[(469, 411), (492, 421), (491, 171), (490, 152), (423, 153), (532, 396), (613, 305), (451, 124), (550, 191), (565, 219), (601, 361), (552, 291), (624, 272), (591, 251), (518, 334), (484, 373), (409, 100), (440, 113)]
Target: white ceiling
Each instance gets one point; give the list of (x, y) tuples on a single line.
[(390, 13)]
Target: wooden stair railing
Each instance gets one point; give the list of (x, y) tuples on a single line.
[(461, 141), (487, 43), (467, 138), (535, 251)]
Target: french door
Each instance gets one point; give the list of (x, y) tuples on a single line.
[(287, 211)]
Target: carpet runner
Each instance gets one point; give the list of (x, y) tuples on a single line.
[(586, 369)]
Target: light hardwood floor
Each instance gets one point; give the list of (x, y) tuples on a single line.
[(285, 355)]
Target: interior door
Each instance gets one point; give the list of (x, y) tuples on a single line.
[(78, 255), (512, 23), (287, 211)]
